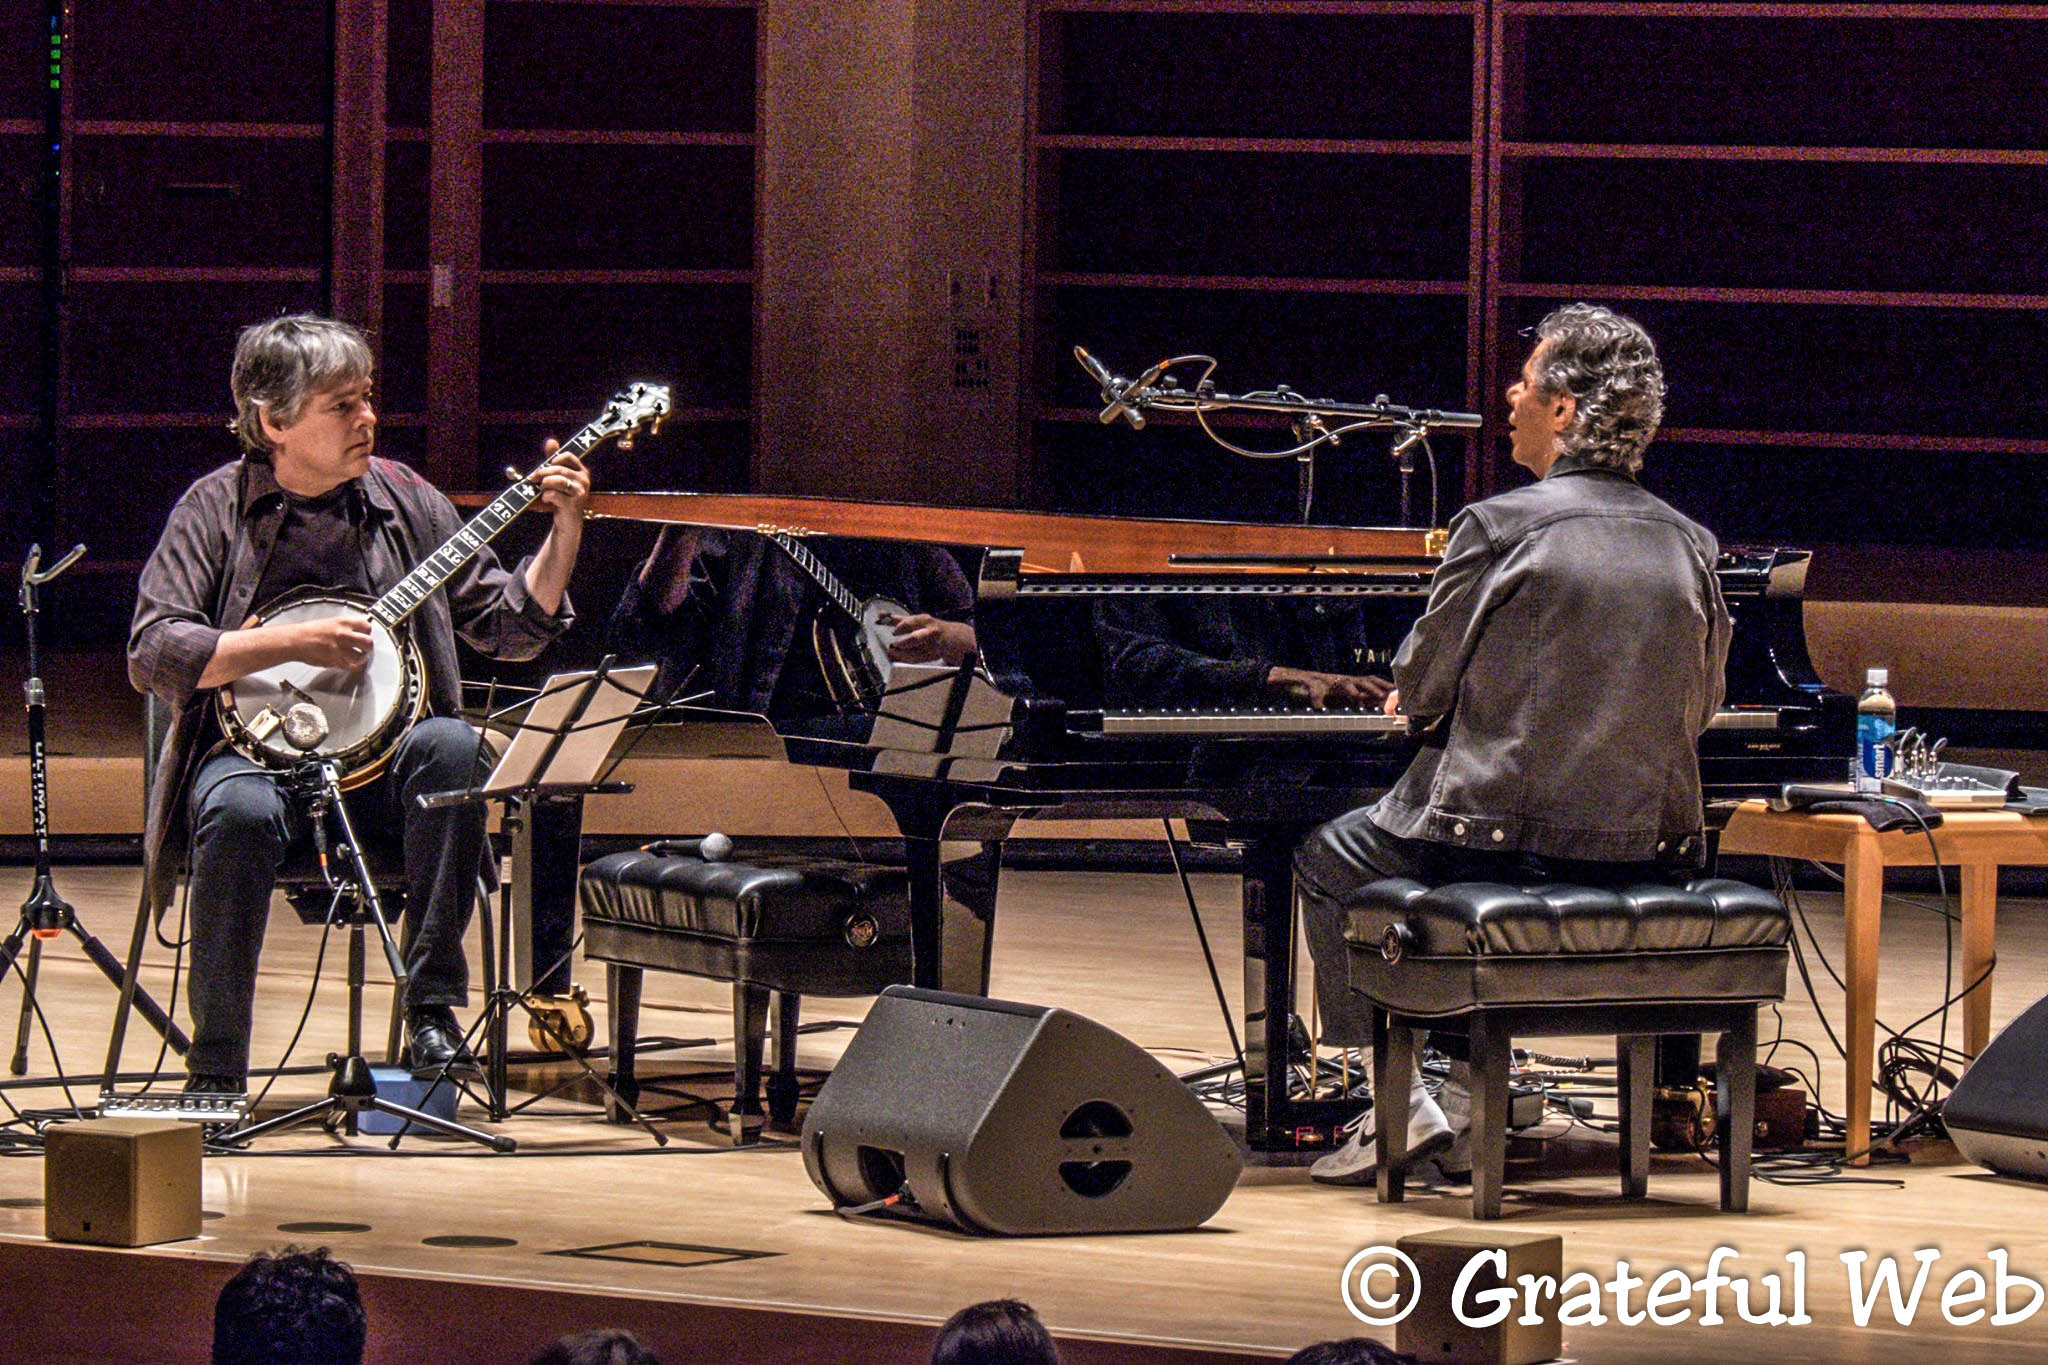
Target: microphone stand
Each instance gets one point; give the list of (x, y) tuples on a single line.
[(353, 1090), (1311, 425), (45, 914)]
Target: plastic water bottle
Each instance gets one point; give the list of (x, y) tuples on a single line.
[(1877, 720)]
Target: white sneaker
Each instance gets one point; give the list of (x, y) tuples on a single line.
[(1357, 1161), (1454, 1097)]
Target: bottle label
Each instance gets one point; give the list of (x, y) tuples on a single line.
[(1873, 760)]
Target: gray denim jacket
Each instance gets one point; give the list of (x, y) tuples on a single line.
[(1573, 652), (203, 576)]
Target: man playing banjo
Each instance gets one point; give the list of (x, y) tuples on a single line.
[(308, 507)]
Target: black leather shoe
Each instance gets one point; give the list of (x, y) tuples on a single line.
[(215, 1083), (435, 1045)]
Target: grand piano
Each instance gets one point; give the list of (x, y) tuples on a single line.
[(1042, 724)]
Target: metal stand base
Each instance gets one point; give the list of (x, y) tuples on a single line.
[(352, 1091)]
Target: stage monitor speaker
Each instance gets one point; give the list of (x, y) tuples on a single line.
[(1013, 1119), (1998, 1112)]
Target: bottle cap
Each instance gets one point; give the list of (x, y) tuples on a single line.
[(1877, 677)]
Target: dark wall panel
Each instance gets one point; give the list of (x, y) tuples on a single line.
[(560, 207), (186, 201), (616, 67), (121, 517), (1797, 225), (1262, 76), (569, 346), (1238, 214), (1784, 82), (1898, 371), (203, 60), (166, 347)]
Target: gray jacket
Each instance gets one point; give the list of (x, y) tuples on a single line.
[(1573, 651), (203, 576)]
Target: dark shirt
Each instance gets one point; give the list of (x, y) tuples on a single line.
[(319, 544), (203, 577)]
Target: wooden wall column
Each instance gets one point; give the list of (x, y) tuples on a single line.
[(454, 242)]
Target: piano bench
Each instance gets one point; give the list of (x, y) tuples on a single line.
[(1496, 962), (785, 924)]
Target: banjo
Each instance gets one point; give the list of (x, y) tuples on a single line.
[(354, 717), (856, 669)]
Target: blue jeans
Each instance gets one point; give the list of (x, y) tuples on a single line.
[(245, 823)]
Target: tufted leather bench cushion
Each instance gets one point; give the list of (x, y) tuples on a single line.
[(792, 923), (1433, 951)]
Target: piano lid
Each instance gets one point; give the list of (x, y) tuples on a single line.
[(1050, 542)]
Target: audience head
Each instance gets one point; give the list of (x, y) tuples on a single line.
[(1350, 1351), (599, 1346), (999, 1332), (292, 1308)]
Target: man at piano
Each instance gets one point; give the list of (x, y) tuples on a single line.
[(1571, 655), (308, 506)]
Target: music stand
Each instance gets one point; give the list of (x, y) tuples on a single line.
[(559, 749)]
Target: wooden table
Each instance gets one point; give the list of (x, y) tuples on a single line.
[(1975, 843)]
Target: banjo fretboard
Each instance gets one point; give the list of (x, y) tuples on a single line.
[(627, 412)]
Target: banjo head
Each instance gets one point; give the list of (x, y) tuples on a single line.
[(361, 704)]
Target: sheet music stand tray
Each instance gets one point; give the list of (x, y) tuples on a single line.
[(560, 748)]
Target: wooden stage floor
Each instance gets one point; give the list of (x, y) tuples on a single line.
[(469, 1256)]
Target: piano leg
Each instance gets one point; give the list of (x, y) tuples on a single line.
[(952, 911), (1276, 1119)]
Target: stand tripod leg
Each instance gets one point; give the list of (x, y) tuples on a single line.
[(110, 967), (448, 1127), (319, 1108), (18, 1064)]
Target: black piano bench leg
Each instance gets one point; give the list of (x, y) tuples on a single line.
[(1393, 1070), (1637, 1054), (1491, 1051), (622, 985), (782, 1082), (1735, 1109), (743, 1122)]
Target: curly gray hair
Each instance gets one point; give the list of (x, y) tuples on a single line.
[(281, 363), (1609, 365)]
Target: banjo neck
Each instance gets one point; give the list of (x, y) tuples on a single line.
[(429, 574)]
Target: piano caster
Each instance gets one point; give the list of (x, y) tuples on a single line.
[(742, 1126), (559, 1019)]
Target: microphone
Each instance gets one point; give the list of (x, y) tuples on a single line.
[(1128, 400), (1104, 380), (304, 725), (712, 848), (1121, 399)]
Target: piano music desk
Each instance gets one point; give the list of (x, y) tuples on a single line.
[(1974, 844)]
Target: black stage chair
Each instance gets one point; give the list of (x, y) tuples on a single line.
[(1497, 962), (779, 923)]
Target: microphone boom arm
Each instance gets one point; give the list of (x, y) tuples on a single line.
[(1312, 416)]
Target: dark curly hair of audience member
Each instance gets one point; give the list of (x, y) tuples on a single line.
[(598, 1346), (1350, 1351), (292, 1308), (998, 1332)]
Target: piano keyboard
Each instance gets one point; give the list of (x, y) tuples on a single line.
[(1278, 721), (1274, 721)]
